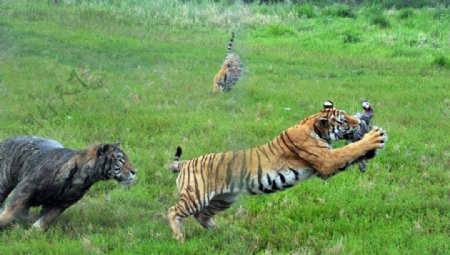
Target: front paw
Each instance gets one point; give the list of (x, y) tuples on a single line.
[(376, 138)]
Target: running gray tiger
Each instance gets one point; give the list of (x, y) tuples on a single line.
[(41, 172)]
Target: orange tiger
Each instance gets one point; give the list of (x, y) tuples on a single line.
[(230, 72), (210, 183)]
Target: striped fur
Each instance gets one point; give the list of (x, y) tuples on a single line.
[(210, 183), (41, 172), (230, 72)]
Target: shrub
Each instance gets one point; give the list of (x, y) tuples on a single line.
[(441, 13), (380, 20), (351, 37), (279, 30), (340, 10), (305, 11), (441, 61), (406, 13)]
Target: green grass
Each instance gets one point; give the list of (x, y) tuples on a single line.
[(149, 85)]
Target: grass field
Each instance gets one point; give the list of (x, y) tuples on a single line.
[(141, 72)]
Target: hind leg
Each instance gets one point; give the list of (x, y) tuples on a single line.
[(175, 217), (216, 205), (4, 192), (16, 205), (187, 205), (3, 196), (48, 214), (205, 219)]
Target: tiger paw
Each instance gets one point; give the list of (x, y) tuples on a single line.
[(383, 134), (179, 236), (376, 138)]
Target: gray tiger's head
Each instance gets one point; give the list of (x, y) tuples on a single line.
[(116, 164)]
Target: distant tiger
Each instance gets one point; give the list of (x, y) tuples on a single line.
[(210, 183), (230, 72)]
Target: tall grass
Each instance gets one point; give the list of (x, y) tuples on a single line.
[(140, 72)]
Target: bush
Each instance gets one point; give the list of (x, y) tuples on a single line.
[(340, 10), (305, 11), (441, 61), (279, 30), (377, 17), (406, 13), (380, 20), (441, 13), (351, 37)]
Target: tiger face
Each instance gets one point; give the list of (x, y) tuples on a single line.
[(332, 124), (117, 164)]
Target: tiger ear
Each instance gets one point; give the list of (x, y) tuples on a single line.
[(323, 122), (328, 105), (102, 149), (117, 145)]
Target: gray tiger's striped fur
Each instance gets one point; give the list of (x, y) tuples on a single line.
[(41, 172)]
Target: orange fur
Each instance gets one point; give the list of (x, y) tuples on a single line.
[(219, 76), (209, 184)]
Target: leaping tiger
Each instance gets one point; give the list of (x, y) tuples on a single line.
[(210, 183), (230, 72)]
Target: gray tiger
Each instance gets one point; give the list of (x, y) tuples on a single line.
[(230, 72), (41, 172)]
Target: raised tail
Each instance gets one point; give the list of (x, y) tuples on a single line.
[(176, 160), (230, 44)]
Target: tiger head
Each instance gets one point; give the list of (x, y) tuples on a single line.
[(332, 124), (116, 164)]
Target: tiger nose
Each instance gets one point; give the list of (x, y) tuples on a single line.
[(133, 172)]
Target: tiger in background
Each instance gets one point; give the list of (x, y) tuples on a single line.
[(210, 183), (41, 172), (230, 72)]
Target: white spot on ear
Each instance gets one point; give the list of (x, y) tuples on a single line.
[(328, 105)]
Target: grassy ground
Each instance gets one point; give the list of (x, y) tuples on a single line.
[(141, 73)]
